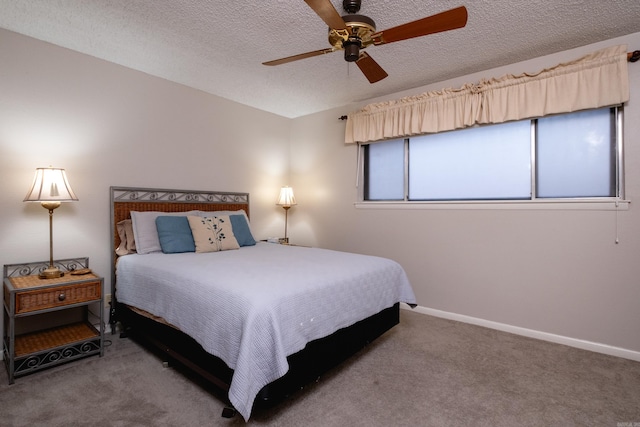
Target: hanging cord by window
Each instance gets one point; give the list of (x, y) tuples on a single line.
[(358, 160), (617, 212)]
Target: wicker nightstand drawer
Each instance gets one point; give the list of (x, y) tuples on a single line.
[(59, 296)]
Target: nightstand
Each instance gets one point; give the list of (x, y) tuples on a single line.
[(281, 241), (48, 321)]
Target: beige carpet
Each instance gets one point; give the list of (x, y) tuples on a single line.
[(425, 372)]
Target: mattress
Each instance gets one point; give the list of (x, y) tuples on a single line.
[(254, 306)]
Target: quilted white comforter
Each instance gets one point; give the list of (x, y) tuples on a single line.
[(254, 306)]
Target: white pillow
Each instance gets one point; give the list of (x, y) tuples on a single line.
[(145, 231)]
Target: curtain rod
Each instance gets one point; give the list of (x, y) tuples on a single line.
[(631, 57)]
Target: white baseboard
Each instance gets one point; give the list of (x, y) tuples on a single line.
[(545, 336)]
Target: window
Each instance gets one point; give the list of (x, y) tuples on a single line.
[(576, 155), (384, 169), (567, 156)]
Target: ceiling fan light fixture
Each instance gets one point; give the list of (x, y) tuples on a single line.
[(351, 49)]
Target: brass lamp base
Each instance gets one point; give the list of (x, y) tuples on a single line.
[(51, 273)]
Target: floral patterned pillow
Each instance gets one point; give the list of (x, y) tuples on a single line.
[(212, 234)]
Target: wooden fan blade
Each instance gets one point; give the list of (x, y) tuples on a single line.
[(325, 10), (445, 21), (370, 68), (299, 56)]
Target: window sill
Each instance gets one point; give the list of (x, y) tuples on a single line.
[(557, 204)]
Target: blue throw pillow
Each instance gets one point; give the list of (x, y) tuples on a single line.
[(241, 230), (174, 234)]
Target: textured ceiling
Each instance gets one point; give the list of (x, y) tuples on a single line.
[(219, 46)]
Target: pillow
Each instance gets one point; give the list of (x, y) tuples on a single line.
[(127, 242), (212, 234), (174, 234), (241, 212), (241, 230), (145, 231)]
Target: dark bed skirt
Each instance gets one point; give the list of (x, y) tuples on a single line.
[(305, 366)]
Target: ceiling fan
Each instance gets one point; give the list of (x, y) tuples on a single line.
[(353, 33)]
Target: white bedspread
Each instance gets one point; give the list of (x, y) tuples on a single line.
[(254, 306)]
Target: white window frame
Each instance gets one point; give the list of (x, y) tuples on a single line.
[(616, 203)]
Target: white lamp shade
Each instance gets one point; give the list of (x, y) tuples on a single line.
[(286, 198), (50, 185)]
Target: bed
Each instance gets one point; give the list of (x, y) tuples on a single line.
[(257, 320)]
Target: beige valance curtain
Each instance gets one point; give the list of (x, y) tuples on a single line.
[(595, 80)]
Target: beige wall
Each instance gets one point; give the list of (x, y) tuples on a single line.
[(109, 125), (556, 273)]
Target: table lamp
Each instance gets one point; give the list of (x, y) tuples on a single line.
[(286, 200), (50, 187)]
